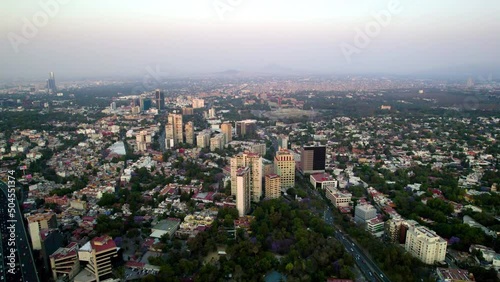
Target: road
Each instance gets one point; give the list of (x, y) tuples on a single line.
[(24, 266), (371, 271)]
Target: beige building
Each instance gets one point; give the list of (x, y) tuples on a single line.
[(78, 205), (425, 244), (64, 262), (227, 130), (189, 133), (393, 229), (284, 166), (243, 191), (98, 254), (198, 103), (254, 162), (338, 198), (174, 130), (36, 223), (143, 139), (203, 140), (217, 142), (273, 186), (212, 113), (259, 149)]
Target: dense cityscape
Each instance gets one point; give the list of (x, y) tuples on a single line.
[(200, 179)]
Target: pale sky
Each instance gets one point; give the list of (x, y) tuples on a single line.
[(122, 37)]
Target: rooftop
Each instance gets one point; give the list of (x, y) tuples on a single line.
[(69, 251), (40, 217), (103, 243), (319, 177)]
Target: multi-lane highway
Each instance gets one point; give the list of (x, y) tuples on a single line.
[(371, 271), (17, 263)]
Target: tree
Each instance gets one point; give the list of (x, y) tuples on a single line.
[(289, 267), (107, 200)]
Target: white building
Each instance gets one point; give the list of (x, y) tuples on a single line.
[(243, 191), (425, 244), (365, 212)]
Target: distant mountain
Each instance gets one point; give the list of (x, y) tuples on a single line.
[(277, 69), (229, 72)]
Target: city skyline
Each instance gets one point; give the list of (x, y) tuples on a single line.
[(198, 37)]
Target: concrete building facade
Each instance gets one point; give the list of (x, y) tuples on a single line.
[(243, 191), (37, 223), (272, 186), (254, 163), (284, 166), (425, 244)]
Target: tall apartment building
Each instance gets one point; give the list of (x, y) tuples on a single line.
[(174, 130), (272, 185), (425, 244), (51, 84), (212, 113), (143, 139), (283, 141), (198, 103), (189, 128), (203, 140), (246, 127), (284, 166), (64, 262), (393, 229), (313, 159), (98, 254), (227, 130), (243, 183), (254, 163), (160, 100), (217, 142), (144, 104), (51, 241), (37, 223)]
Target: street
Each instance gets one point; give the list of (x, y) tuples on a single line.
[(371, 271), (24, 266)]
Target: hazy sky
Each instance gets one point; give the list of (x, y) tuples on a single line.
[(95, 38)]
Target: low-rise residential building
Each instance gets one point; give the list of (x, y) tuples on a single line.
[(375, 226)]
